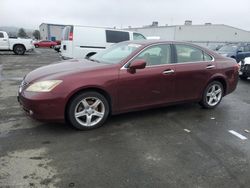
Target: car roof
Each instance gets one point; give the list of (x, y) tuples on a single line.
[(147, 42)]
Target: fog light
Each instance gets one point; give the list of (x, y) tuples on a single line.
[(31, 112)]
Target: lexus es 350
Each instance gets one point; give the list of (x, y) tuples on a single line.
[(129, 76)]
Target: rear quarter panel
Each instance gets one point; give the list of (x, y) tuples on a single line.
[(228, 70)]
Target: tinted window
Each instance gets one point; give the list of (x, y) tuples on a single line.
[(247, 49), (228, 48), (187, 53), (116, 36), (156, 55), (1, 35), (138, 36)]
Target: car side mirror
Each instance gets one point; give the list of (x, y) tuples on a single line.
[(137, 64)]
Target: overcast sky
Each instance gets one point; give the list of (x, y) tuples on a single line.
[(123, 13)]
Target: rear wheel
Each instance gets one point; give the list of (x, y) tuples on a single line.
[(19, 49), (36, 45), (87, 110), (212, 95)]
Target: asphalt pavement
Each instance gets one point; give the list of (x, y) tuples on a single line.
[(177, 146)]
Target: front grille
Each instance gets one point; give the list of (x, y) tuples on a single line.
[(247, 67), (22, 86)]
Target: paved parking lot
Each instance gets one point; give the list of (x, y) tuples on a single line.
[(178, 146)]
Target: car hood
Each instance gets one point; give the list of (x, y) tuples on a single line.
[(62, 68)]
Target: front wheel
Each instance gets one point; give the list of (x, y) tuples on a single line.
[(87, 110), (212, 95)]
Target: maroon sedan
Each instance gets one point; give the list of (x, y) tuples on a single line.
[(45, 43), (127, 77)]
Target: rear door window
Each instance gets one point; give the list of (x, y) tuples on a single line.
[(66, 32), (1, 35), (116, 36), (186, 53)]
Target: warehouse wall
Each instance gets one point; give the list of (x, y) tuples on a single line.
[(214, 33), (55, 32), (43, 31), (197, 33), (166, 33), (51, 31)]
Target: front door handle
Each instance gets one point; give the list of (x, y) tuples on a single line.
[(170, 71), (4, 39), (210, 67)]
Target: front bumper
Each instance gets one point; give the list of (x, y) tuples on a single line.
[(245, 70), (42, 106), (30, 48)]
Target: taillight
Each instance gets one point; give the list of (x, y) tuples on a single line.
[(71, 36)]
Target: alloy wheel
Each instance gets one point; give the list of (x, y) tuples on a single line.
[(89, 111), (214, 94)]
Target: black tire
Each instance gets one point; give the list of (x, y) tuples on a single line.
[(19, 49), (204, 102), (76, 104), (37, 46), (243, 77)]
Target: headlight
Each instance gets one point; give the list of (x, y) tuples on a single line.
[(44, 86)]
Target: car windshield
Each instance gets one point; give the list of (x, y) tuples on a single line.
[(116, 53), (228, 48)]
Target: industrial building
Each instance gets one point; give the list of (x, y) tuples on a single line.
[(201, 34), (51, 31)]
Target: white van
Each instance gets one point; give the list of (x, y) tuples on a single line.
[(83, 42)]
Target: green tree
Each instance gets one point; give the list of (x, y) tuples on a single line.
[(36, 34), (22, 33)]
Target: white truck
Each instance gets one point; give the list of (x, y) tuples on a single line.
[(17, 45), (83, 41)]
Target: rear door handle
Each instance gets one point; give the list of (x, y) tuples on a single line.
[(170, 71), (4, 39), (210, 67)]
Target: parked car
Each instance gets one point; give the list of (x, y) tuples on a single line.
[(83, 42), (57, 48), (17, 45), (58, 42), (236, 51), (45, 43), (245, 68), (214, 47), (129, 76)]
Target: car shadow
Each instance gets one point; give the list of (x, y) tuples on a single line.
[(122, 120)]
